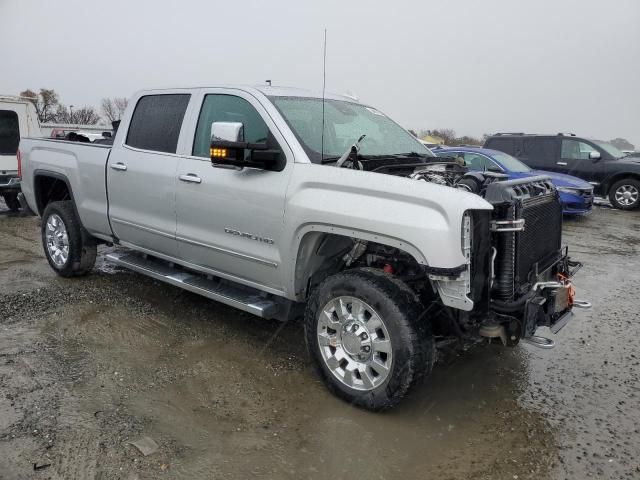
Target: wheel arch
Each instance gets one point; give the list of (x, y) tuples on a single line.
[(318, 245), (617, 177), (49, 186)]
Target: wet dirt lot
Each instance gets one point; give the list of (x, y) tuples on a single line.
[(88, 365)]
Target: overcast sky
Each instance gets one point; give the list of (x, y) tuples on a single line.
[(474, 66)]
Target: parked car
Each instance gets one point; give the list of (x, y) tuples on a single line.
[(239, 194), (611, 172), (576, 194), (18, 118)]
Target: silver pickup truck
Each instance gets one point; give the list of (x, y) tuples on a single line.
[(287, 205)]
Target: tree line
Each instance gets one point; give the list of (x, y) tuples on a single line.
[(51, 110)]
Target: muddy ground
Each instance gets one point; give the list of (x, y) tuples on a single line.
[(88, 365)]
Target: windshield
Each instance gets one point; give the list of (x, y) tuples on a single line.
[(510, 163), (344, 123), (610, 149)]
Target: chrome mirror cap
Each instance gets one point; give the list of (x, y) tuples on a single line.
[(227, 132)]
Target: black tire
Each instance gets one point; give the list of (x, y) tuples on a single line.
[(82, 248), (413, 346), (11, 199), (630, 183), (469, 184)]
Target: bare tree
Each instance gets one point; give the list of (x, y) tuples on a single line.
[(113, 108), (46, 103), (79, 116)]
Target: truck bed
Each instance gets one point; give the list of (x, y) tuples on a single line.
[(81, 164)]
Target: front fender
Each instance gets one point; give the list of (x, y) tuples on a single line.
[(421, 218)]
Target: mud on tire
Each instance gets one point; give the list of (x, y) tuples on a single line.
[(81, 248), (412, 345)]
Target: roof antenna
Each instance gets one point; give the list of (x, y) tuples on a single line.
[(324, 83)]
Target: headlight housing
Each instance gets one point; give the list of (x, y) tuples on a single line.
[(574, 190)]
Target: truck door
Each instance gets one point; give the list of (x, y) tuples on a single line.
[(141, 175), (230, 221)]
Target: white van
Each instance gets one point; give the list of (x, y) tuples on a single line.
[(18, 119)]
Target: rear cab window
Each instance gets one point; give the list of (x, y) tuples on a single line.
[(9, 132), (156, 122)]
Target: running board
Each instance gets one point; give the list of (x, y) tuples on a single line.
[(243, 298)]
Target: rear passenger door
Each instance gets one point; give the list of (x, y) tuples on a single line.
[(141, 175)]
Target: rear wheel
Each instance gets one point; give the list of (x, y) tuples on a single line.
[(362, 333), (70, 250), (625, 194), (11, 199)]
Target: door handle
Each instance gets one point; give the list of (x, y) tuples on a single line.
[(119, 166), (564, 164), (190, 177)]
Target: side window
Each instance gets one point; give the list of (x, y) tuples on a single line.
[(506, 145), (9, 132), (539, 151), (227, 108), (156, 122), (476, 162), (576, 150)]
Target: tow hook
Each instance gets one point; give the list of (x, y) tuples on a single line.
[(581, 304), (540, 342)]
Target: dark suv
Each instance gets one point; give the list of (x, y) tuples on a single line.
[(611, 172)]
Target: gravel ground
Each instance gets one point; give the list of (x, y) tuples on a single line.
[(88, 365)]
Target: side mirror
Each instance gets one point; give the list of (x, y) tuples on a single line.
[(594, 155), (229, 149)]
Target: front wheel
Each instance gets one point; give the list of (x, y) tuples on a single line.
[(362, 334), (69, 249), (11, 199), (625, 194)]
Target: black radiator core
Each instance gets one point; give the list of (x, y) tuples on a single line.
[(537, 246), (541, 240)]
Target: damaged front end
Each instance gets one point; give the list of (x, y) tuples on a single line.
[(519, 245)]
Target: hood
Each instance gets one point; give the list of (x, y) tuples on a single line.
[(564, 180), (558, 179), (630, 160)]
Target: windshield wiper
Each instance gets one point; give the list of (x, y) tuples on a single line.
[(353, 151)]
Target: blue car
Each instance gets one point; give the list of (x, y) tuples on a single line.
[(576, 194)]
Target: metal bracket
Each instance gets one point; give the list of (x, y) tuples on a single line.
[(507, 225)]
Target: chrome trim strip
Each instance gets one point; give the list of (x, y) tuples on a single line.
[(200, 268), (263, 261), (146, 229), (140, 150), (229, 252)]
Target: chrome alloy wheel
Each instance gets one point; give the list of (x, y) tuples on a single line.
[(57, 240), (627, 195), (354, 343)]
